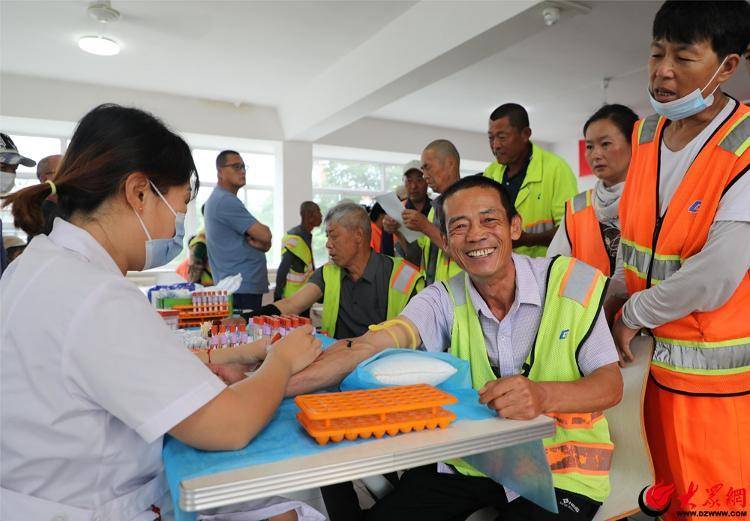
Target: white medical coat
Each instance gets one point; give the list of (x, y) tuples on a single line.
[(91, 380)]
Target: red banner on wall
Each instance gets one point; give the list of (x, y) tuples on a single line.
[(583, 166)]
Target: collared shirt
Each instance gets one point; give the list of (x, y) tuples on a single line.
[(513, 184), (510, 340), (91, 377), (227, 220), (362, 302), (425, 208), (291, 261)]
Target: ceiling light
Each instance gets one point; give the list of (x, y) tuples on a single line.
[(99, 45)]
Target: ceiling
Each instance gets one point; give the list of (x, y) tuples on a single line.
[(238, 51), (556, 74), (262, 52)]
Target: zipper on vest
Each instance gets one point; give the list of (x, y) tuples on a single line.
[(654, 240)]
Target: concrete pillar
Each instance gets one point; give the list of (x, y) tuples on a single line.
[(295, 184)]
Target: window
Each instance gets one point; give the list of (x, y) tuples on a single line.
[(257, 194), (359, 181)]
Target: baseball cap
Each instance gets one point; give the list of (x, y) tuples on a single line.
[(9, 152), (413, 165)]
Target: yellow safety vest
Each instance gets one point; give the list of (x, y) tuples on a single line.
[(436, 265), (206, 277), (297, 246), (580, 451), (405, 277), (548, 184)]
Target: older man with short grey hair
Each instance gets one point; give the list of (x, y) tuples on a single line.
[(359, 286)]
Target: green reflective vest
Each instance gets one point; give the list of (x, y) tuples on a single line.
[(580, 451), (405, 278), (548, 184), (297, 246), (436, 265)]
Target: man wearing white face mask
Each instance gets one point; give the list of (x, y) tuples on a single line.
[(9, 161), (684, 255)]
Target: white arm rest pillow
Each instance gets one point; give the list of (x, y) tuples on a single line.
[(410, 369)]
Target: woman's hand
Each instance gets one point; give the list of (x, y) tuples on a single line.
[(254, 351), (231, 373), (298, 349)]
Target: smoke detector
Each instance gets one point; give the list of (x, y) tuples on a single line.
[(103, 12), (551, 15)]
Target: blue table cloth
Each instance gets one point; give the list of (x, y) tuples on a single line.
[(284, 438)]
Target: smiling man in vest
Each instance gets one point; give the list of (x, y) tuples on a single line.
[(536, 343), (539, 182), (359, 286), (685, 221), (297, 264)]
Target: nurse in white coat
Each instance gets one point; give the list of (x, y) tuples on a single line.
[(91, 377)]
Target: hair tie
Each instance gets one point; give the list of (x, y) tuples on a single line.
[(54, 188)]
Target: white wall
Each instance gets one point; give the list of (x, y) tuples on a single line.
[(31, 97), (408, 138)]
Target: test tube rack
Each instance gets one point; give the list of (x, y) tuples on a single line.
[(190, 318), (373, 412)]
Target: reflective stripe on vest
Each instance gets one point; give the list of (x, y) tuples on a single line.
[(637, 258), (295, 280), (738, 139), (698, 358), (579, 282), (581, 201), (404, 277), (564, 326), (298, 278), (580, 457), (647, 130), (539, 226), (576, 420)]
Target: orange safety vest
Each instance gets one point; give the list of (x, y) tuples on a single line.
[(376, 237), (585, 233), (697, 405)]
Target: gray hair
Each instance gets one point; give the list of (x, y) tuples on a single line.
[(444, 149), (350, 215)]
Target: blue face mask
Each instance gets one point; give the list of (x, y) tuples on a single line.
[(686, 106), (160, 251)]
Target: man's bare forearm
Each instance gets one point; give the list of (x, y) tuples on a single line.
[(341, 358), (330, 369)]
